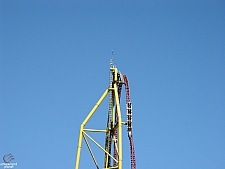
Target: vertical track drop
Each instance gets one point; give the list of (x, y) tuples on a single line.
[(129, 123), (113, 132)]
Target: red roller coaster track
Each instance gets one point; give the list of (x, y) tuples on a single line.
[(113, 132), (129, 116), (129, 122)]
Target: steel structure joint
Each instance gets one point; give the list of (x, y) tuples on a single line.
[(113, 131)]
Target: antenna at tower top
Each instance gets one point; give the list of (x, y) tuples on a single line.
[(111, 60)]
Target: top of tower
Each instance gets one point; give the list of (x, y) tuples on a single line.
[(111, 61)]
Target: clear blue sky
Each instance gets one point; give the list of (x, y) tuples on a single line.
[(54, 66)]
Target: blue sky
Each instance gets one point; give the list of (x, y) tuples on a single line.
[(54, 64)]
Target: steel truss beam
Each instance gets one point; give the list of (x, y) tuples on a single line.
[(118, 126)]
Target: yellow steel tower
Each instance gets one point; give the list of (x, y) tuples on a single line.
[(113, 133)]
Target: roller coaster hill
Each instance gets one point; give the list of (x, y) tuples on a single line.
[(112, 149)]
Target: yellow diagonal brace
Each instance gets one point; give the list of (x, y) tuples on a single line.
[(100, 146), (95, 107), (92, 155), (82, 127)]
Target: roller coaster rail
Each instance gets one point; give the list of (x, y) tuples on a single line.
[(113, 132)]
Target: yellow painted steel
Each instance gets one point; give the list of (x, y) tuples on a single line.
[(118, 126), (82, 127), (92, 155), (94, 130), (100, 146), (79, 147), (95, 107)]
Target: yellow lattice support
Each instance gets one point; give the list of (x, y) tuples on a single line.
[(118, 126)]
